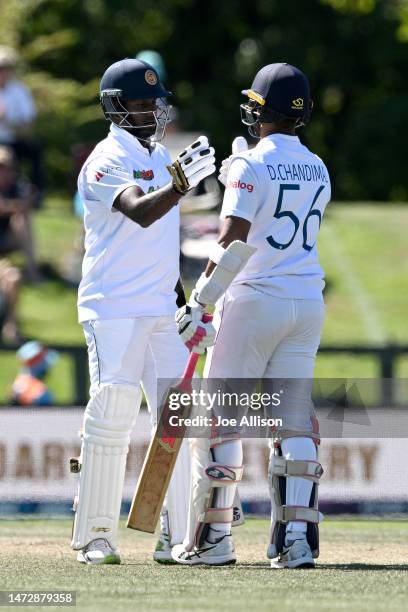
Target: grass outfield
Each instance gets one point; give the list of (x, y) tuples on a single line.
[(363, 567), (362, 248)]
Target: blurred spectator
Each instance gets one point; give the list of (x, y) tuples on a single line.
[(154, 59), (17, 114), (10, 280), (16, 202), (29, 388)]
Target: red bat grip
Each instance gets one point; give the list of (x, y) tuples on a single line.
[(190, 367), (192, 361)]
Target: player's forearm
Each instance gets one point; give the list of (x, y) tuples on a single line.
[(147, 208)]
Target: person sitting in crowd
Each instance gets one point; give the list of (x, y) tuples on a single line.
[(16, 202), (10, 281), (17, 114), (28, 388)]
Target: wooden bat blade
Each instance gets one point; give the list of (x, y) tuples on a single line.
[(153, 483), (157, 469), (161, 458)]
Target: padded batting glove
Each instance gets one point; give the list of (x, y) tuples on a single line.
[(239, 144), (196, 335), (192, 165)]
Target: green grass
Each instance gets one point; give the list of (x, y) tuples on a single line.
[(362, 248), (373, 238), (363, 567)]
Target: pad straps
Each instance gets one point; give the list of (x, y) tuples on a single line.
[(311, 470), (286, 514)]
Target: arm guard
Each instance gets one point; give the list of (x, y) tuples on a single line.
[(230, 262)]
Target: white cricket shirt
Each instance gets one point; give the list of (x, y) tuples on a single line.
[(282, 188), (128, 271)]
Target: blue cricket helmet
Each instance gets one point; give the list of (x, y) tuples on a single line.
[(134, 79), (279, 91)]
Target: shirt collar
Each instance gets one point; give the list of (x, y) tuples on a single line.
[(281, 138), (128, 140)]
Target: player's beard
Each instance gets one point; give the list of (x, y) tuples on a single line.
[(143, 132)]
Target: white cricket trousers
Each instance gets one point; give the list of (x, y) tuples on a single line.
[(133, 352), (259, 335), (141, 351)]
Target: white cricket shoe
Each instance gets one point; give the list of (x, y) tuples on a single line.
[(98, 552), (296, 553), (221, 552), (162, 553)]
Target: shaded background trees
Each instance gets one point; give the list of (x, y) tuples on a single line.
[(354, 51)]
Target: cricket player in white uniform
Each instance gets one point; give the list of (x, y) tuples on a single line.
[(127, 298), (269, 315)]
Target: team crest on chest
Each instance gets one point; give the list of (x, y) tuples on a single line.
[(145, 175)]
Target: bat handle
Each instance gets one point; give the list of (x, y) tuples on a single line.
[(190, 367), (192, 361)]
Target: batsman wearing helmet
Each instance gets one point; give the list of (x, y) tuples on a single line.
[(127, 298), (269, 315)]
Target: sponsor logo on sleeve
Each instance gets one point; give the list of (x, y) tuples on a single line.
[(98, 176), (113, 170), (145, 175), (240, 185)]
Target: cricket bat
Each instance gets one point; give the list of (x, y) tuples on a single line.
[(160, 460)]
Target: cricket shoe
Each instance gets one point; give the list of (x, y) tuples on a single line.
[(221, 552), (162, 553), (98, 552), (296, 553)]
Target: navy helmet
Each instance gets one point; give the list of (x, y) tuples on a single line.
[(278, 92), (134, 79)]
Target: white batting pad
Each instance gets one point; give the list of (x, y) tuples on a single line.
[(299, 479), (230, 262), (108, 421), (206, 476)]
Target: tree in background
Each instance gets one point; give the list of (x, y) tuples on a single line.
[(354, 51)]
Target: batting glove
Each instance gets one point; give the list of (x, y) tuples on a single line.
[(192, 165), (196, 335), (239, 144)]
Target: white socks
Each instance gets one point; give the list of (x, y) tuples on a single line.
[(298, 490)]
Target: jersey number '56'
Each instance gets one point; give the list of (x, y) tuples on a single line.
[(281, 214)]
